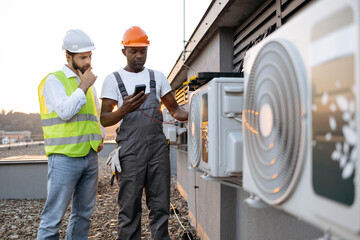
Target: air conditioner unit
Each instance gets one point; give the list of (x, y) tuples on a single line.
[(301, 117), (214, 127)]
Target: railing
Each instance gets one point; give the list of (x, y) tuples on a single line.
[(39, 140), (22, 144)]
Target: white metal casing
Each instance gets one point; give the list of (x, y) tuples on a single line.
[(215, 135), (322, 46)]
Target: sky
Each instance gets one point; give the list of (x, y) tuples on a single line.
[(32, 32)]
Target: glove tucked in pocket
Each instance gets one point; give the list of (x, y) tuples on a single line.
[(113, 160)]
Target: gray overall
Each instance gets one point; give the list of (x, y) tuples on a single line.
[(145, 163)]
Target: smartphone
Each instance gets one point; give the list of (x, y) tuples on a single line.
[(139, 88)]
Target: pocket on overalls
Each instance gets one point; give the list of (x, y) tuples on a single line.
[(128, 165)]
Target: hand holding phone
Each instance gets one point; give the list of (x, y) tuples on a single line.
[(139, 88)]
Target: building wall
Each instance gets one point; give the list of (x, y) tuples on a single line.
[(209, 60)]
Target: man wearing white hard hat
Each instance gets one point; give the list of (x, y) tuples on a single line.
[(72, 137)]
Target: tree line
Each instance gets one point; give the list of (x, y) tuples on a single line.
[(18, 121)]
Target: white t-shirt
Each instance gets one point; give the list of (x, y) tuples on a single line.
[(110, 88)]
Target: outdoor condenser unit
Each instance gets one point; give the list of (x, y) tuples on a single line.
[(214, 127), (301, 117)]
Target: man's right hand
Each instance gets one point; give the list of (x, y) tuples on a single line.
[(109, 116), (87, 79), (132, 103)]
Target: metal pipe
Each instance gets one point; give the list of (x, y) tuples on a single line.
[(184, 30)]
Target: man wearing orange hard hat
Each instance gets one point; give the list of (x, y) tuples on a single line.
[(143, 160)]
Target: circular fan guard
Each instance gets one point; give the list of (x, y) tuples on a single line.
[(194, 141), (274, 158)]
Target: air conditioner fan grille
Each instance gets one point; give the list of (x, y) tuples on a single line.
[(273, 103), (194, 141)]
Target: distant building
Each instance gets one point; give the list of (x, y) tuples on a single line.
[(15, 137)]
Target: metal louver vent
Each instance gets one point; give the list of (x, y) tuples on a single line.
[(194, 141), (181, 95), (272, 118)]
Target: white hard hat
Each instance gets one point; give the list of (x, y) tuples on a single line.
[(76, 41)]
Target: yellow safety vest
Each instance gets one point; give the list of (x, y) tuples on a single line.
[(74, 137)]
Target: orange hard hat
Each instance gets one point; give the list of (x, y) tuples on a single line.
[(135, 37)]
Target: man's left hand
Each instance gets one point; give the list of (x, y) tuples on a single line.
[(101, 146)]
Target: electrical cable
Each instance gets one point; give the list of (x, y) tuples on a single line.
[(190, 68), (156, 120), (187, 233)]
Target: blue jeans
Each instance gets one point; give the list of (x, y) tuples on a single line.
[(68, 178)]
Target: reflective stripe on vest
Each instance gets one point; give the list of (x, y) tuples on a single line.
[(76, 136), (71, 140), (76, 118)]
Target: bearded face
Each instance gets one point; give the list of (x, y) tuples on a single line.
[(79, 61), (77, 66)]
